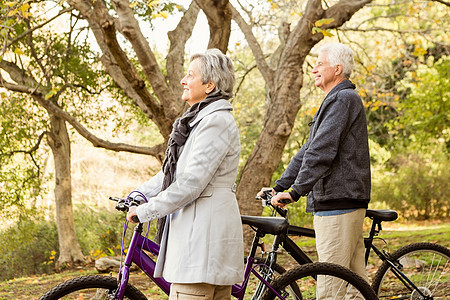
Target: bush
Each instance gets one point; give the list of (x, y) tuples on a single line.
[(31, 245), (100, 231), (417, 187), (28, 248)]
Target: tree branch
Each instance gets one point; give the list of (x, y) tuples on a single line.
[(442, 2), (155, 151), (38, 95), (96, 13), (130, 28), (261, 62), (30, 30), (175, 57), (218, 13)]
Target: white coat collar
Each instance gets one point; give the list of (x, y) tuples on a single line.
[(221, 104)]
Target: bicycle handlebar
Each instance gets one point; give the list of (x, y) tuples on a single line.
[(266, 201), (125, 204)]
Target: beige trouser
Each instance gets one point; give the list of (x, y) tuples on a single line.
[(196, 291), (339, 240)]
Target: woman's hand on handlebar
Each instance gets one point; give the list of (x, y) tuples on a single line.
[(131, 213), (281, 200)]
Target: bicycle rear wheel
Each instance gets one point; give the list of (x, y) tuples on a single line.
[(425, 264), (90, 287), (348, 285)]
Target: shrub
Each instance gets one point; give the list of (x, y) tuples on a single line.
[(28, 247), (417, 187)]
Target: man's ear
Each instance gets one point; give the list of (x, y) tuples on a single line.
[(210, 87), (339, 69)]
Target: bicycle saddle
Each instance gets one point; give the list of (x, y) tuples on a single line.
[(382, 214), (270, 225)]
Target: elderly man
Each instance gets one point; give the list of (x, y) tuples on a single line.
[(333, 167)]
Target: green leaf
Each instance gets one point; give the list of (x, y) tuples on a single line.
[(316, 30)]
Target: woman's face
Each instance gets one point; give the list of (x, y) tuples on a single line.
[(194, 89)]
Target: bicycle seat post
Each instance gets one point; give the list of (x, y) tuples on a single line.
[(374, 231)]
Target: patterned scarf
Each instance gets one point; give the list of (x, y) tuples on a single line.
[(180, 133)]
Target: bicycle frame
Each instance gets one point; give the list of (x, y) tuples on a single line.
[(142, 260), (147, 265)]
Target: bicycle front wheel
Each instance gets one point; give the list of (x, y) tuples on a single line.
[(90, 287), (256, 288), (426, 265), (339, 283)]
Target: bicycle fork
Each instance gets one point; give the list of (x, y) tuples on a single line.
[(267, 268)]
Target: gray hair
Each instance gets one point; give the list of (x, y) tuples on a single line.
[(339, 54), (217, 68)]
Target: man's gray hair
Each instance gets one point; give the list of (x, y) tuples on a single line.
[(218, 68), (339, 54)]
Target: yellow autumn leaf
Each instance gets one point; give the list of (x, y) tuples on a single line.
[(25, 7), (327, 33), (153, 3), (18, 51), (321, 22), (164, 14), (12, 12), (133, 4)]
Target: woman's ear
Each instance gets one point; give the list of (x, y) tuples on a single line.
[(210, 87)]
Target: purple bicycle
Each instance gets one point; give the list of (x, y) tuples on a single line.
[(262, 279)]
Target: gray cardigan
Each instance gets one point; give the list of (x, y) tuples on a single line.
[(333, 167)]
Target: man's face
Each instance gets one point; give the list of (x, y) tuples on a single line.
[(326, 76)]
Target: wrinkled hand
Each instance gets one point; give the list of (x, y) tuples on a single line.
[(261, 192), (279, 198), (131, 213)]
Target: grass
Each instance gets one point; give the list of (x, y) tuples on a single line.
[(396, 234)]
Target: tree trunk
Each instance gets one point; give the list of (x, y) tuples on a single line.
[(69, 248), (266, 154)]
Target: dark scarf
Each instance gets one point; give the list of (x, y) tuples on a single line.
[(180, 133)]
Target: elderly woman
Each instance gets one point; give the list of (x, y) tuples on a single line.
[(202, 243)]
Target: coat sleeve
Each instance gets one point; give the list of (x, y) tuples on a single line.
[(290, 174), (152, 187), (323, 147), (210, 144)]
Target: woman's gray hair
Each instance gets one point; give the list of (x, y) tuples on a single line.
[(339, 54), (217, 68)]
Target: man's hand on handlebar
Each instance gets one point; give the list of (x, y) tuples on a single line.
[(281, 200), (264, 191)]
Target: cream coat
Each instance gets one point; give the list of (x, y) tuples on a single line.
[(202, 239)]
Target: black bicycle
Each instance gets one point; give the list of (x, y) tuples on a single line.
[(416, 271)]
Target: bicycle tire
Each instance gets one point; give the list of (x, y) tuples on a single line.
[(87, 286), (425, 264), (278, 270), (303, 277)]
